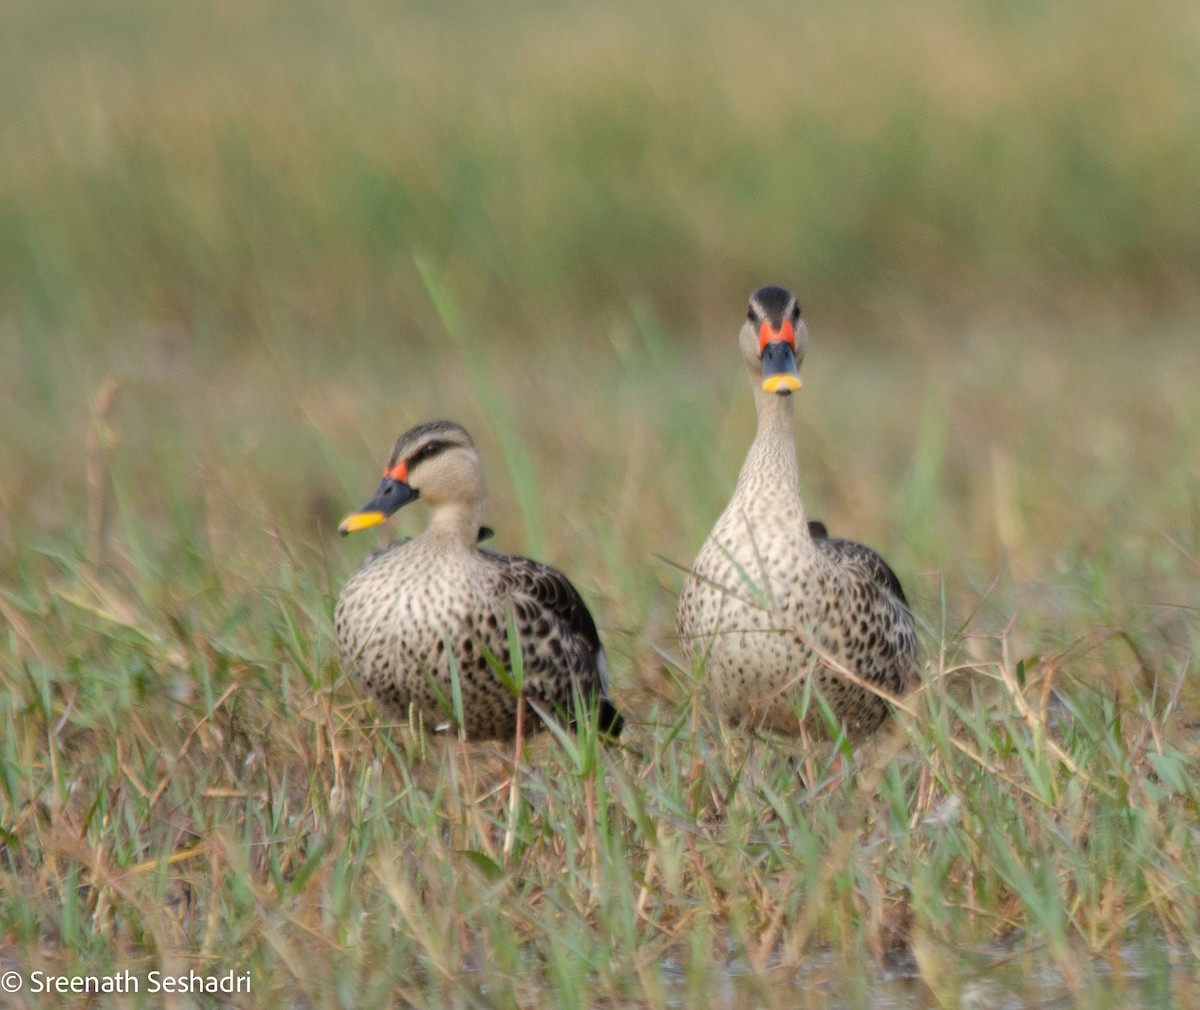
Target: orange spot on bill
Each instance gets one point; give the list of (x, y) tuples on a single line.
[(767, 334)]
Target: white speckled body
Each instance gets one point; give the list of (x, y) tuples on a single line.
[(765, 606), (418, 609), (415, 605)]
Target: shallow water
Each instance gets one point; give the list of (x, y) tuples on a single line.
[(1145, 974), (1141, 975)]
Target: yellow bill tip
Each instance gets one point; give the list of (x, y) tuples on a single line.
[(782, 383), (356, 521)]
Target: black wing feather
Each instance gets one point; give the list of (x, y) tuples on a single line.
[(870, 563), (554, 594)]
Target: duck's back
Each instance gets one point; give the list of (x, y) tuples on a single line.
[(770, 603), (869, 630), (413, 619)]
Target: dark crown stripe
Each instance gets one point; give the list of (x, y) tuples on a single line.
[(434, 447), (774, 302), (427, 440)]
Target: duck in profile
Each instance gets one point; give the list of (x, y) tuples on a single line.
[(428, 619), (772, 601)]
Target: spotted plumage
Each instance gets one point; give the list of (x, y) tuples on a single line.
[(771, 600), (418, 609)]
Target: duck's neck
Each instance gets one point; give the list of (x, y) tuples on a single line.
[(770, 468), (455, 523)]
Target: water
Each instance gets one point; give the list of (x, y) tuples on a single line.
[(1140, 975)]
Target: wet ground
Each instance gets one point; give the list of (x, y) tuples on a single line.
[(1138, 976)]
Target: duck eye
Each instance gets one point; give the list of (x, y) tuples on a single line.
[(795, 311), (750, 314), (426, 451)]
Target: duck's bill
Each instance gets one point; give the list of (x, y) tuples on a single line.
[(779, 371), (356, 521), (392, 495), (782, 383)]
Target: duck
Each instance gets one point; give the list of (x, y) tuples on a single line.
[(773, 604), (427, 621)]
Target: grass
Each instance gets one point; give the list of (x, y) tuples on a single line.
[(264, 242), (186, 780)]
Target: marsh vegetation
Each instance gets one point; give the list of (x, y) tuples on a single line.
[(242, 248)]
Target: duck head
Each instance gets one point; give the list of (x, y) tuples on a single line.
[(436, 462), (773, 339)]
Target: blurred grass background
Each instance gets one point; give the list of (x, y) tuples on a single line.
[(231, 182), (289, 231), (992, 215), (243, 246)]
